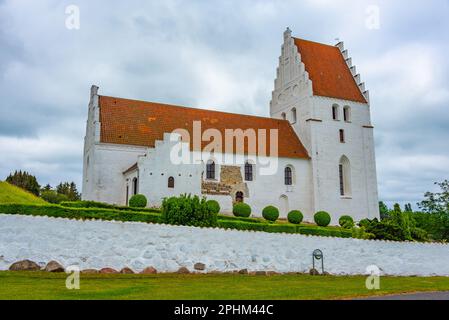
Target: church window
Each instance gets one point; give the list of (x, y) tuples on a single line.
[(347, 114), (344, 176), (284, 116), (294, 116), (171, 182), (342, 136), (127, 194), (135, 185), (210, 170), (335, 111), (249, 172), (288, 176)]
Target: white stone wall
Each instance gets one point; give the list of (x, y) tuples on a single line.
[(105, 181), (98, 244)]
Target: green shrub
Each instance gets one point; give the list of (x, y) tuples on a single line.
[(241, 225), (346, 222), (53, 197), (188, 211), (322, 218), (270, 213), (360, 233), (58, 211), (93, 204), (213, 206), (138, 201), (280, 228), (295, 217), (323, 232), (233, 218), (241, 210)]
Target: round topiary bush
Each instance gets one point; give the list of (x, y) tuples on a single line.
[(213, 206), (322, 218), (295, 217), (241, 210), (138, 201), (270, 213), (346, 222)]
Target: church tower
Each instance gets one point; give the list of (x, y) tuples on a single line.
[(318, 90)]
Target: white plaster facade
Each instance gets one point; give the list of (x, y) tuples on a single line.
[(316, 181), (99, 244)]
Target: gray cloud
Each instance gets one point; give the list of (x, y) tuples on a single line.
[(218, 55)]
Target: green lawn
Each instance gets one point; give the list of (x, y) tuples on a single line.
[(209, 287), (13, 194)]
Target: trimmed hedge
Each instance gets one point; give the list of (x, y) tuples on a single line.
[(270, 213), (213, 206), (138, 201), (295, 217), (93, 204), (346, 222), (58, 211), (322, 218), (233, 218), (241, 210)]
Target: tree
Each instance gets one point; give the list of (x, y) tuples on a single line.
[(69, 190), (25, 181), (408, 207), (46, 188), (437, 202), (383, 210)]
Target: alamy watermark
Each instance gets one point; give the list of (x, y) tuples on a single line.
[(229, 146), (73, 280), (373, 280), (372, 21), (72, 21)]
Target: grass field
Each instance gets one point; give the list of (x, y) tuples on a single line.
[(13, 194), (205, 287)]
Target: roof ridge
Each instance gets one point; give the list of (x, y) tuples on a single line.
[(316, 42), (197, 109)]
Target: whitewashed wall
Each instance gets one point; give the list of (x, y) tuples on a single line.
[(97, 244)]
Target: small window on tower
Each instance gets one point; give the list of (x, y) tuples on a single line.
[(342, 136), (347, 114), (284, 116), (294, 115), (335, 111)]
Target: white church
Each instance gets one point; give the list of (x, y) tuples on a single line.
[(315, 152)]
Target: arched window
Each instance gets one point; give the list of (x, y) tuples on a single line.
[(344, 171), (135, 185), (294, 116), (171, 182), (347, 114), (288, 176), (239, 197), (249, 172), (335, 112), (210, 170), (284, 116)]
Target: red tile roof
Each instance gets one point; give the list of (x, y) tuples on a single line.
[(141, 123), (328, 71)]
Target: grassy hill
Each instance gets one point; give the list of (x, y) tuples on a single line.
[(13, 194)]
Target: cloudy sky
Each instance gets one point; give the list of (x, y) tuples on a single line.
[(219, 55)]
